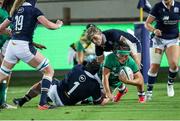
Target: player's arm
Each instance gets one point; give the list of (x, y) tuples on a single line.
[(149, 26), (80, 57), (79, 52), (4, 25), (101, 101), (105, 101), (6, 31), (136, 58), (105, 81), (137, 81), (100, 58), (48, 24)]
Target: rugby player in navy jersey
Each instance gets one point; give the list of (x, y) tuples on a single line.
[(80, 83), (165, 34), (24, 17), (105, 40)]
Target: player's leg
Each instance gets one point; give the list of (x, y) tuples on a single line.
[(172, 53), (121, 90), (155, 60), (5, 83), (8, 63), (42, 64), (34, 91), (5, 71)]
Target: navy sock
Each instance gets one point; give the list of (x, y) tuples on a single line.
[(151, 81), (171, 77), (44, 90), (3, 87)]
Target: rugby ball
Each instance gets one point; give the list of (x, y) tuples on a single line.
[(125, 70)]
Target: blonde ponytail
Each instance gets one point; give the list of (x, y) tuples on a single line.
[(16, 5)]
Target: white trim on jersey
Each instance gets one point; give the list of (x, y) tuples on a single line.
[(26, 4)]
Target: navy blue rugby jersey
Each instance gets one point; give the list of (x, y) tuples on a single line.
[(167, 20), (112, 36), (24, 22), (78, 86)]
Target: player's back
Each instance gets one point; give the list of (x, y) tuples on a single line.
[(78, 86)]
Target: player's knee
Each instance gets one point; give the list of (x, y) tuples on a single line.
[(154, 68), (47, 77), (49, 71), (155, 56), (43, 65), (152, 73), (174, 70), (5, 72), (173, 65)]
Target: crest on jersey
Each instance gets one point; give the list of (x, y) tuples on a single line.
[(20, 10), (165, 18), (82, 78), (176, 10)]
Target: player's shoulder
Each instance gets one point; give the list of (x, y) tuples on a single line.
[(131, 60), (111, 56), (78, 67), (158, 4)]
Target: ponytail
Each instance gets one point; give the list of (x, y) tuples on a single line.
[(16, 6)]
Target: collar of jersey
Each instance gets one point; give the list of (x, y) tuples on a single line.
[(26, 4), (93, 76), (89, 74), (166, 5)]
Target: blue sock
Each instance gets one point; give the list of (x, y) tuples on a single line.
[(44, 90), (151, 81), (3, 87), (171, 77)]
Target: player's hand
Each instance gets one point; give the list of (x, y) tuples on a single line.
[(111, 97), (123, 78), (59, 23), (105, 101), (157, 32)]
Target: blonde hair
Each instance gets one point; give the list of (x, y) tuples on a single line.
[(16, 5), (91, 31)]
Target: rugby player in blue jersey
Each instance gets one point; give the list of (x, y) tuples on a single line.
[(24, 17), (105, 40), (165, 34), (80, 83)]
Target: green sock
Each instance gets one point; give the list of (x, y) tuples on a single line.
[(3, 91)]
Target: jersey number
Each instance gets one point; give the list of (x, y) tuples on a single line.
[(76, 84), (19, 22)]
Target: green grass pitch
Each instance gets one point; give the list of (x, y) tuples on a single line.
[(161, 107)]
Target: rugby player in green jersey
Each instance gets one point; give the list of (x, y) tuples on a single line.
[(110, 73)]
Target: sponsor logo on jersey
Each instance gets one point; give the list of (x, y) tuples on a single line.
[(176, 10), (165, 18)]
